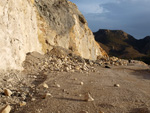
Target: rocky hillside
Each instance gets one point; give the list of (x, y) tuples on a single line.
[(144, 45), (120, 44), (39, 25)]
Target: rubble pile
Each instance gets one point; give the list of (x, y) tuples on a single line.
[(63, 61)]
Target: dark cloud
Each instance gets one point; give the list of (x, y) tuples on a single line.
[(132, 16)]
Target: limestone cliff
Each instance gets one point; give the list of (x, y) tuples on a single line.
[(18, 32), (28, 25)]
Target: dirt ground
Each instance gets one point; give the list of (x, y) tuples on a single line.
[(133, 95)]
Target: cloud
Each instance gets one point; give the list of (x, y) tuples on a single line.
[(132, 16), (91, 8), (86, 6)]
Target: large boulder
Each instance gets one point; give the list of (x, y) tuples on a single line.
[(28, 25)]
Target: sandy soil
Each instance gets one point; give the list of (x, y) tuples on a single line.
[(133, 95)]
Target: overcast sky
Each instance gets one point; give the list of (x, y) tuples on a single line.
[(131, 16)]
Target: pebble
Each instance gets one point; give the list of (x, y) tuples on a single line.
[(45, 85), (80, 95), (116, 85), (57, 85), (88, 97), (81, 83), (46, 95), (83, 112), (22, 103), (7, 92), (64, 90), (6, 109), (33, 99)]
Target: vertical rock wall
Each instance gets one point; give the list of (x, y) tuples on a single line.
[(28, 25), (18, 32)]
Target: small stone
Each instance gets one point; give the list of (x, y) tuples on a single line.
[(57, 85), (116, 85), (33, 99), (67, 69), (6, 109), (81, 83), (46, 95), (80, 95), (7, 92), (72, 70), (22, 104), (91, 63), (77, 68), (75, 79), (88, 97), (101, 112), (35, 77), (45, 85), (83, 112), (64, 90)]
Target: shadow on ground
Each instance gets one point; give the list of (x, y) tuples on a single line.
[(71, 99), (140, 110), (144, 74)]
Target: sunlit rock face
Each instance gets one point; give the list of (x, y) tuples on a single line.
[(18, 32), (28, 25)]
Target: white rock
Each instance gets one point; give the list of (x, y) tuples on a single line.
[(77, 68), (57, 85), (80, 95), (46, 95), (33, 99), (116, 85), (22, 104), (6, 109), (81, 83), (88, 97), (7, 92), (21, 33), (67, 69), (45, 85), (49, 94)]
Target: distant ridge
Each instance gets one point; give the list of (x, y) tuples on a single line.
[(119, 43)]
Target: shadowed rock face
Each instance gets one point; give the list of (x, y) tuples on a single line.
[(58, 14), (40, 25)]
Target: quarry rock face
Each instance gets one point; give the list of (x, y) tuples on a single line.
[(18, 32), (27, 26)]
